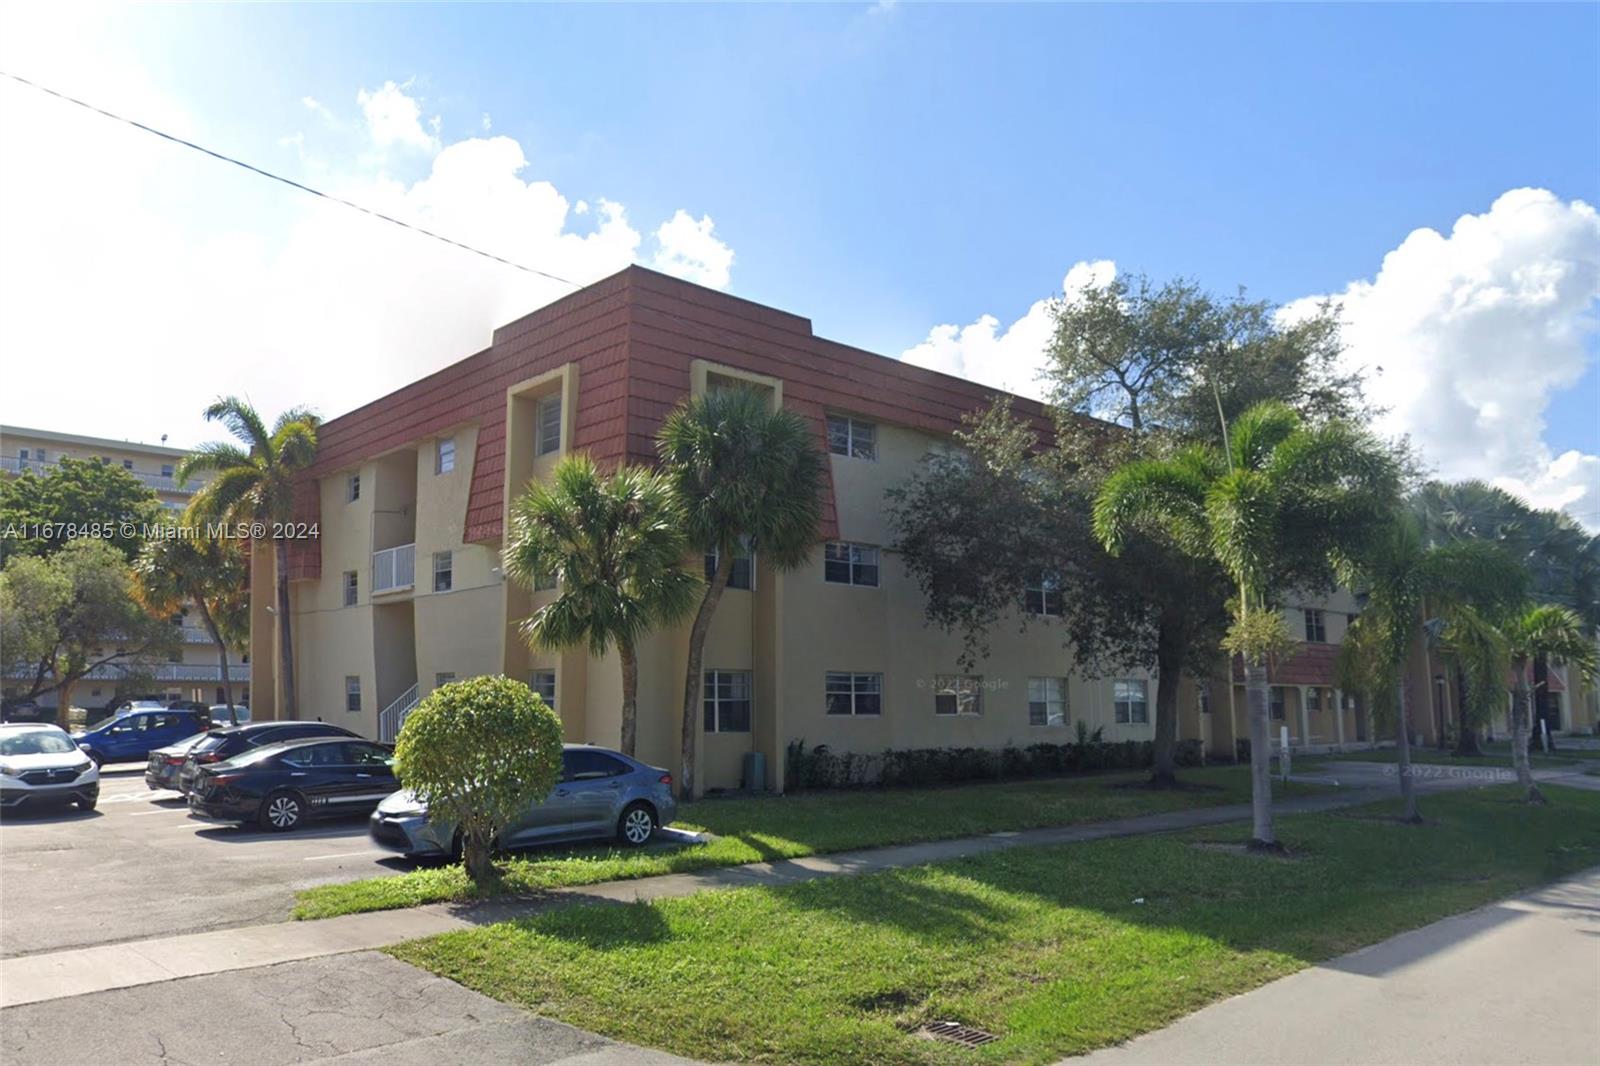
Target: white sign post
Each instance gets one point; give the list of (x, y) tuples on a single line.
[(1283, 751)]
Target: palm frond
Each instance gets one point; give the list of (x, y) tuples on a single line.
[(243, 422)]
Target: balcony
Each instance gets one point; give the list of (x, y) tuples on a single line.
[(394, 569), (146, 671), (12, 464)]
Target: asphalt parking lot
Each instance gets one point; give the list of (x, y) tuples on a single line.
[(139, 866)]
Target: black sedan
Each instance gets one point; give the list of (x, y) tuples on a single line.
[(223, 744), (282, 785)]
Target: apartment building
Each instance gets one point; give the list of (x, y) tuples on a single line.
[(193, 672)]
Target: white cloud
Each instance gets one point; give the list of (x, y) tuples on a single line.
[(162, 279), (689, 248), (1474, 332), (395, 118), (319, 109), (1013, 358)]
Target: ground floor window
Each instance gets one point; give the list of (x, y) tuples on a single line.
[(1047, 701), (1313, 699), (957, 694), (544, 683), (441, 680), (727, 701), (1131, 702), (854, 694), (1279, 712)]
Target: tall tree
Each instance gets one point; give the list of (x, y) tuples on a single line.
[(616, 543), (1277, 507), (38, 510), (255, 484), (747, 477), (1408, 588), (1549, 632), (210, 573), (60, 613)]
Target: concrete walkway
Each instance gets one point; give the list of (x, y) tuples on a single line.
[(1514, 982), (59, 974)]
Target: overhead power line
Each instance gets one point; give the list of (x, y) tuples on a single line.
[(341, 201)]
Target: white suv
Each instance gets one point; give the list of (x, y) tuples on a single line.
[(42, 764)]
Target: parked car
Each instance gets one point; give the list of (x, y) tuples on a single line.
[(222, 719), (602, 793), (25, 710), (42, 764), (167, 763), (223, 744), (281, 786), (120, 705), (137, 732)]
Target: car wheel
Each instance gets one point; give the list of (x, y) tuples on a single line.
[(88, 804), (637, 825), (282, 812)]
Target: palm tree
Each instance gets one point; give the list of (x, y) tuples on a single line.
[(213, 574), (1275, 507), (1548, 632), (616, 543), (255, 484), (1409, 589), (749, 478)]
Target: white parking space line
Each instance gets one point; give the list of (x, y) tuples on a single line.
[(344, 855), (164, 810)]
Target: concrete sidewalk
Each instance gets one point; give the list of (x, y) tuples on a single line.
[(1511, 983), (59, 974)]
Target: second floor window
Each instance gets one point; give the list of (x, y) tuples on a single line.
[(740, 578), (443, 571), (444, 456), (545, 581), (844, 563), (547, 425), (166, 469), (1043, 596), (1316, 626), (352, 488), (1131, 702), (352, 693), (544, 684), (351, 588), (852, 437)]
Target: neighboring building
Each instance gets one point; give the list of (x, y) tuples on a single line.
[(195, 674)]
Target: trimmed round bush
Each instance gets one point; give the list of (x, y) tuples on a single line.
[(477, 753)]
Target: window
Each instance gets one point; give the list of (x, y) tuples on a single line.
[(580, 765), (1277, 704), (444, 455), (547, 425), (127, 464), (1202, 697), (1316, 627), (1047, 701), (850, 564), (957, 694), (442, 679), (727, 701), (1313, 699), (166, 469), (544, 683), (853, 694), (742, 575), (852, 437), (1043, 595), (362, 754), (38, 455), (351, 588), (1131, 702), (352, 693), (22, 453), (352, 488), (443, 574), (544, 582)]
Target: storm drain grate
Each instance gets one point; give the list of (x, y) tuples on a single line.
[(956, 1033)]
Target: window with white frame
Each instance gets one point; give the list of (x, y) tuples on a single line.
[(844, 563), (956, 694), (1131, 702), (352, 693), (352, 488), (727, 701), (352, 588), (1042, 595), (547, 425), (1316, 626), (444, 455), (743, 570), (852, 437), (853, 694), (443, 571), (167, 469), (1313, 699), (1047, 701), (440, 680), (544, 683)]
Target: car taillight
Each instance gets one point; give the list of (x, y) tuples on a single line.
[(223, 779), (666, 779), (174, 760), (208, 756)]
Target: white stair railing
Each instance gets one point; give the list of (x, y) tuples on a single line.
[(392, 717)]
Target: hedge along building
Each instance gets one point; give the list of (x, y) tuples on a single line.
[(402, 589)]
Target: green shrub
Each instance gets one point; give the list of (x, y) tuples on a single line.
[(477, 753)]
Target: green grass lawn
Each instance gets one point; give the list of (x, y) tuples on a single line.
[(1494, 756), (1058, 949), (757, 829)]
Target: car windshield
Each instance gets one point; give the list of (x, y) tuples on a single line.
[(37, 742)]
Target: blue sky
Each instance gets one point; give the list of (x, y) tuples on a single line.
[(888, 170)]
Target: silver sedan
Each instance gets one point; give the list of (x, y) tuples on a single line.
[(601, 794)]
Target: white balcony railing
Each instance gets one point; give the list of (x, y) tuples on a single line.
[(12, 464), (394, 568)]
